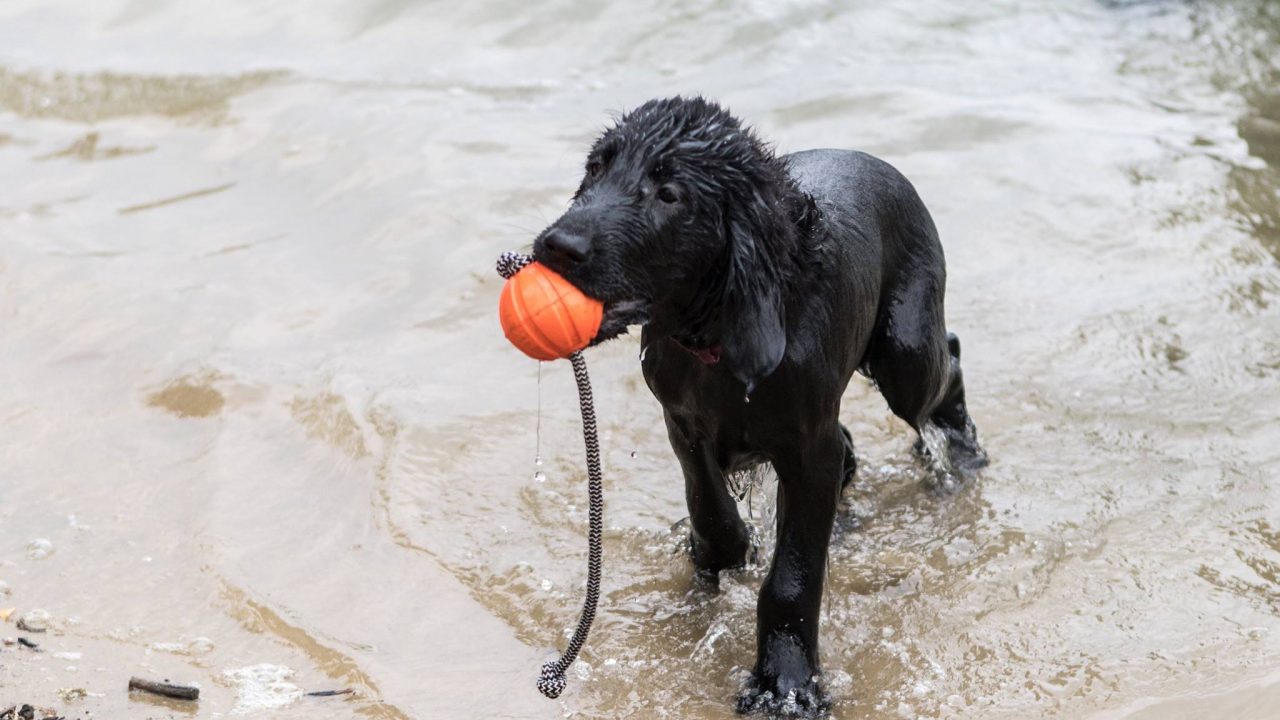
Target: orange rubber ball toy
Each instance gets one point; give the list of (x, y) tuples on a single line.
[(545, 316)]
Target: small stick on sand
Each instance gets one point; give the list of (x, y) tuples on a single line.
[(178, 692), (329, 693)]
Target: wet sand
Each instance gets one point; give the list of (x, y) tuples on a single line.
[(257, 403)]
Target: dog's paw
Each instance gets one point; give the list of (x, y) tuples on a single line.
[(965, 454), (783, 699), (953, 454), (710, 559)]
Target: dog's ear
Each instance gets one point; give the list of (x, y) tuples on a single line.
[(754, 335)]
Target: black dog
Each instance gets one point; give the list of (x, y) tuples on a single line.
[(763, 283)]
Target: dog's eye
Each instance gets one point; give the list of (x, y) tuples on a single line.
[(594, 168), (669, 194)]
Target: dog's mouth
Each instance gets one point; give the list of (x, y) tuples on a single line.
[(619, 315)]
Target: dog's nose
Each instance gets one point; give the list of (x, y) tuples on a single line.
[(567, 247)]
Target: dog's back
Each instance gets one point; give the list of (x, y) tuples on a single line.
[(888, 222)]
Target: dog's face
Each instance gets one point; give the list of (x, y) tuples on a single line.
[(646, 228), (679, 212)]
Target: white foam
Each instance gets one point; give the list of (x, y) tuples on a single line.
[(262, 687)]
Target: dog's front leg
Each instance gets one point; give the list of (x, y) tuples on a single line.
[(809, 480), (718, 538)]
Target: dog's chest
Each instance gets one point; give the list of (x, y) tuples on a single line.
[(707, 402), (689, 385)]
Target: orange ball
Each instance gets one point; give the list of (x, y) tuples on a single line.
[(545, 316)]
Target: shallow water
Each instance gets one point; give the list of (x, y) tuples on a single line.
[(257, 402)]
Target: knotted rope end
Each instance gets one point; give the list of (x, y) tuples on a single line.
[(511, 262), (551, 682)]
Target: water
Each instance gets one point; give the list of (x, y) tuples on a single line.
[(248, 340)]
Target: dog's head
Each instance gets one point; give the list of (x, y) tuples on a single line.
[(685, 220)]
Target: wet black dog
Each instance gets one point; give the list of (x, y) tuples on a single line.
[(763, 283)]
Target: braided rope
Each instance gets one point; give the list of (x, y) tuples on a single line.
[(511, 262), (551, 681)]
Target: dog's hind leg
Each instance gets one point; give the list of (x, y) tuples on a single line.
[(916, 365), (952, 417), (718, 539), (850, 462)]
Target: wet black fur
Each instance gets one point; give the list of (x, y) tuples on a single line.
[(800, 270)]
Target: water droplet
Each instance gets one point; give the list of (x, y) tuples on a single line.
[(643, 351), (633, 453), (539, 476), (537, 461)]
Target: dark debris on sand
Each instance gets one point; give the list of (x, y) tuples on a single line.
[(29, 712)]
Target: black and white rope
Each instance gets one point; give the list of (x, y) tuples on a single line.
[(551, 681), (511, 262)]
